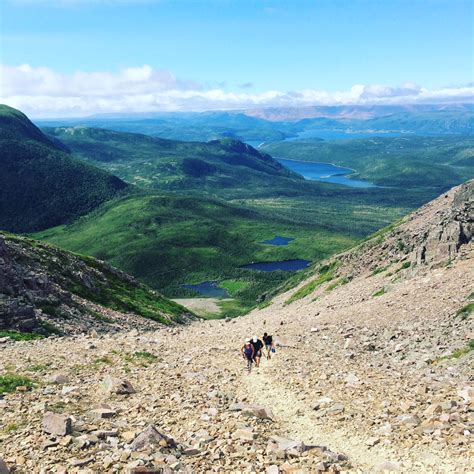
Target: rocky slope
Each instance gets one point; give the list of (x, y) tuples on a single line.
[(363, 380), (44, 289)]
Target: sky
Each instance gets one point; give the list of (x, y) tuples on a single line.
[(77, 57)]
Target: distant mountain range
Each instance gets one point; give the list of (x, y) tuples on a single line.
[(360, 112), (276, 124)]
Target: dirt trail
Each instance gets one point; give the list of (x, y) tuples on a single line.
[(298, 421)]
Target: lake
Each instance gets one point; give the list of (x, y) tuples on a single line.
[(325, 172), (209, 289), (278, 240), (286, 265)]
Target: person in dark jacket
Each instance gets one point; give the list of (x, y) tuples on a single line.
[(257, 349), (268, 341)]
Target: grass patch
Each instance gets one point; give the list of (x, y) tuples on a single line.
[(146, 356), (39, 367), (9, 383), (404, 266), (100, 317), (326, 273), (340, 282), (234, 287), (466, 311), (458, 353), (20, 336), (381, 292), (11, 427), (379, 270)]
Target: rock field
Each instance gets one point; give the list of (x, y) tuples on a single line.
[(363, 380)]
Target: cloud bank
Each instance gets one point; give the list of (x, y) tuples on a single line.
[(42, 92)]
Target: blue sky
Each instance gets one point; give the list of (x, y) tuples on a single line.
[(242, 47)]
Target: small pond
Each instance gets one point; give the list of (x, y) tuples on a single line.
[(208, 289), (278, 240), (286, 265)]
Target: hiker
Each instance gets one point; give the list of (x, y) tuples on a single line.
[(247, 352), (268, 341), (257, 349)]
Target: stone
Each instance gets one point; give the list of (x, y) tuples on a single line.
[(257, 411), (372, 441), (245, 434), (56, 424), (80, 462), (58, 379), (278, 443), (467, 393), (3, 467), (151, 437), (351, 379), (273, 469), (103, 413), (408, 420), (117, 386)]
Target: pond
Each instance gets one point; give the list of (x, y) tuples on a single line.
[(286, 265), (326, 172), (208, 289), (278, 240)]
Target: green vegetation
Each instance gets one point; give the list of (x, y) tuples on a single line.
[(458, 353), (9, 383), (326, 273), (227, 167), (20, 336), (341, 282), (42, 184), (167, 241), (466, 311), (380, 292), (379, 270), (39, 367)]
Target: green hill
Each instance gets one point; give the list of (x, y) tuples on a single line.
[(225, 167), (41, 185)]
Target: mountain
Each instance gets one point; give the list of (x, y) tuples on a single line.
[(225, 166), (373, 367), (40, 184), (189, 126), (48, 290), (344, 112)]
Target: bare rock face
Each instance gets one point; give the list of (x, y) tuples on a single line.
[(116, 386), (57, 425), (151, 437), (443, 241)]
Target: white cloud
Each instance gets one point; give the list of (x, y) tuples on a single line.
[(42, 92)]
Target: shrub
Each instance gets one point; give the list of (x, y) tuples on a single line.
[(9, 383)]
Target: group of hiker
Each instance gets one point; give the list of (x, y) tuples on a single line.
[(252, 349)]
